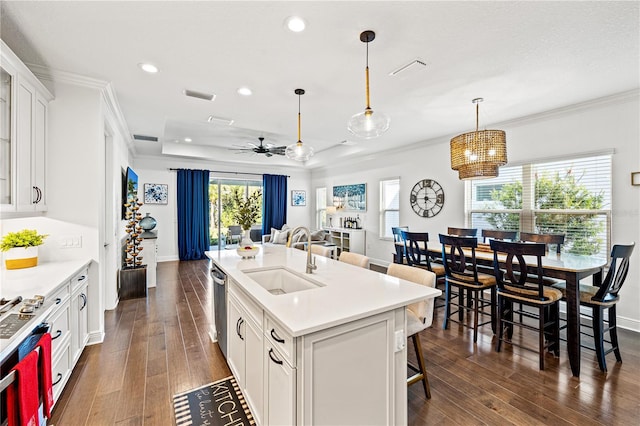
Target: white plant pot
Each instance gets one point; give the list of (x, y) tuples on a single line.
[(21, 257)]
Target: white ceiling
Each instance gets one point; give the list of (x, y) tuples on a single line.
[(521, 57)]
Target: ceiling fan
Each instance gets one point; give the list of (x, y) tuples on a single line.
[(266, 149)]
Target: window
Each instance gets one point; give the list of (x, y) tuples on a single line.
[(389, 206), (567, 196), (321, 208)]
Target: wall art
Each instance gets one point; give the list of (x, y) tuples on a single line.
[(298, 198), (156, 193), (350, 197)]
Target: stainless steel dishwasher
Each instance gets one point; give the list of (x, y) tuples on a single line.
[(220, 306)]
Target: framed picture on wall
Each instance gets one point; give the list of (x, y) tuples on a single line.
[(351, 197), (156, 193), (298, 198)]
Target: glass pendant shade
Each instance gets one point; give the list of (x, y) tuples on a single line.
[(298, 151), (368, 124), (479, 154)]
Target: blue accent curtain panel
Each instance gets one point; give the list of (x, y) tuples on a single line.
[(274, 202), (193, 214)]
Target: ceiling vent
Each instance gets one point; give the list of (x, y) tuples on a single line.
[(410, 67), (219, 120), (145, 138), (200, 95)]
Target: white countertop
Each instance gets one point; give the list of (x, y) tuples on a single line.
[(349, 292), (42, 279)]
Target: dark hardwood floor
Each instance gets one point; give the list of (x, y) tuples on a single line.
[(159, 346)]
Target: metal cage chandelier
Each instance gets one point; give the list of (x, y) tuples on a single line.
[(479, 154)]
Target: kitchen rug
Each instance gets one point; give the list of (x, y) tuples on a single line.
[(216, 404)]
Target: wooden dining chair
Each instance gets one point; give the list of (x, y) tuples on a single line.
[(399, 255), (605, 296), (419, 317), (461, 271), (415, 247), (354, 259), (462, 232), (547, 239), (498, 234), (516, 284)]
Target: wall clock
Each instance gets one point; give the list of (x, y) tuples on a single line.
[(427, 198)]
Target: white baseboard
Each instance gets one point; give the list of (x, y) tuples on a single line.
[(167, 258), (628, 324), (96, 337)]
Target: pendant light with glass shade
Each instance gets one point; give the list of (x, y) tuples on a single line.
[(479, 154), (368, 124), (298, 151)]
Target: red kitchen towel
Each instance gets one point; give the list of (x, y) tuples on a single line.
[(22, 394), (45, 374)]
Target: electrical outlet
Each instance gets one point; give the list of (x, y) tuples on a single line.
[(401, 340), (70, 241)]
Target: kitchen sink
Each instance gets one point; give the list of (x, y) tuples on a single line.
[(281, 280)]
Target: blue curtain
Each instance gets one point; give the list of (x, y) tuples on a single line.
[(193, 214), (274, 202)]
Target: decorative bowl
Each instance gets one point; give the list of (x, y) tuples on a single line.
[(248, 251)]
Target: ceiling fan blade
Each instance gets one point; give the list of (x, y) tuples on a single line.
[(253, 145)]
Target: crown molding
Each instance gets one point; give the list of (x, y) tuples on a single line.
[(49, 74), (112, 107)]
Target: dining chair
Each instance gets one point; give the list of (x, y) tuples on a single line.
[(605, 296), (518, 284), (462, 232), (461, 271), (415, 248), (399, 255), (419, 317), (354, 259), (235, 233), (498, 234), (547, 239)]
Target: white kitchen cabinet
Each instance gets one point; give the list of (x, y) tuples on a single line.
[(280, 388), (24, 107), (79, 314), (245, 347)]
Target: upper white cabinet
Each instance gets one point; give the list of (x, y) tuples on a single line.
[(24, 102)]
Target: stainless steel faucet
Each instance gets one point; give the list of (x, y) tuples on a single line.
[(311, 261)]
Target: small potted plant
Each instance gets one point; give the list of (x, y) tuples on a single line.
[(21, 248)]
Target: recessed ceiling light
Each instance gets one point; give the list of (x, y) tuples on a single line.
[(187, 139), (245, 91), (295, 24), (150, 68)]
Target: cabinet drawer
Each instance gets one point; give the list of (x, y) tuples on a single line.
[(60, 296), (281, 340), (253, 310), (60, 373), (59, 321), (79, 280)]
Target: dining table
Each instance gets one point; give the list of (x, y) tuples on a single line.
[(570, 268)]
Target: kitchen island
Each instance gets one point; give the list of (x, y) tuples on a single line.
[(330, 349)]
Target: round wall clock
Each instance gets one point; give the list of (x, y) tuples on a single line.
[(427, 198)]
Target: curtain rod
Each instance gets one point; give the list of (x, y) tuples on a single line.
[(235, 173)]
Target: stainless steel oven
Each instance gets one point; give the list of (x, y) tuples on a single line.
[(220, 306)]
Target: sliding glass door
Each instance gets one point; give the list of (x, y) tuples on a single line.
[(224, 230)]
